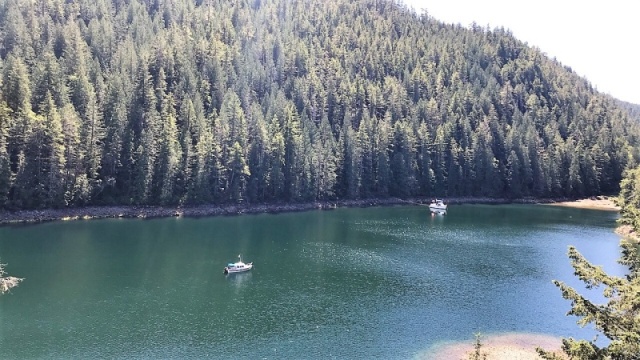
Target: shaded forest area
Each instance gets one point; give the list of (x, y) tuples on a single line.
[(107, 102)]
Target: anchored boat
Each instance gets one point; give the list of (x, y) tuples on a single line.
[(438, 206), (237, 266)]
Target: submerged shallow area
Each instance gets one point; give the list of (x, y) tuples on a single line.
[(507, 346), (382, 282)]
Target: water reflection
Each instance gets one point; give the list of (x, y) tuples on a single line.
[(349, 283), (239, 280)]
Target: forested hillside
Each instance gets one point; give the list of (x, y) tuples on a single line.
[(179, 101)]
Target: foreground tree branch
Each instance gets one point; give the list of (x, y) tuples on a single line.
[(619, 318)]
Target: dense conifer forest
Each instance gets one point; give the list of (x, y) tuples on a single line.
[(253, 101)]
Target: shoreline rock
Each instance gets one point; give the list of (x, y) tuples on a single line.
[(133, 211)]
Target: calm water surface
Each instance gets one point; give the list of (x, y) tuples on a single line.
[(369, 283)]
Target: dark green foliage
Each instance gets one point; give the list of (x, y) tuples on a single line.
[(619, 318), (152, 102), (5, 170), (629, 200)]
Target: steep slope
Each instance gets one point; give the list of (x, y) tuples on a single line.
[(145, 102)]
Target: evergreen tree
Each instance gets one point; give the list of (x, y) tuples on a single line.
[(292, 134), (619, 318), (352, 161), (325, 100), (403, 163), (75, 183), (170, 152), (5, 162), (325, 161), (144, 123), (238, 173), (258, 160), (51, 149)]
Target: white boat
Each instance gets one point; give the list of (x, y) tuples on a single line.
[(237, 266), (438, 206)]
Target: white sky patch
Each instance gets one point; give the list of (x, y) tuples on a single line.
[(598, 40)]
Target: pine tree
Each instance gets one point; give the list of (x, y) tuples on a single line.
[(5, 162), (144, 125), (403, 163), (352, 167), (363, 95), (277, 155), (258, 157), (51, 144), (49, 78), (185, 184), (426, 176), (238, 173), (619, 318), (170, 152), (74, 177), (382, 147), (114, 164), (292, 134), (325, 161), (232, 121)]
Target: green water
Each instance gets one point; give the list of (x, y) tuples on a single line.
[(383, 283)]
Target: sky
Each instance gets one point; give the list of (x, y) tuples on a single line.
[(599, 40)]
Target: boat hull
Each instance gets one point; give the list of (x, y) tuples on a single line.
[(438, 209), (235, 270)]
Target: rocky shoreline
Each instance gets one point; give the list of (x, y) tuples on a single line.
[(103, 212)]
